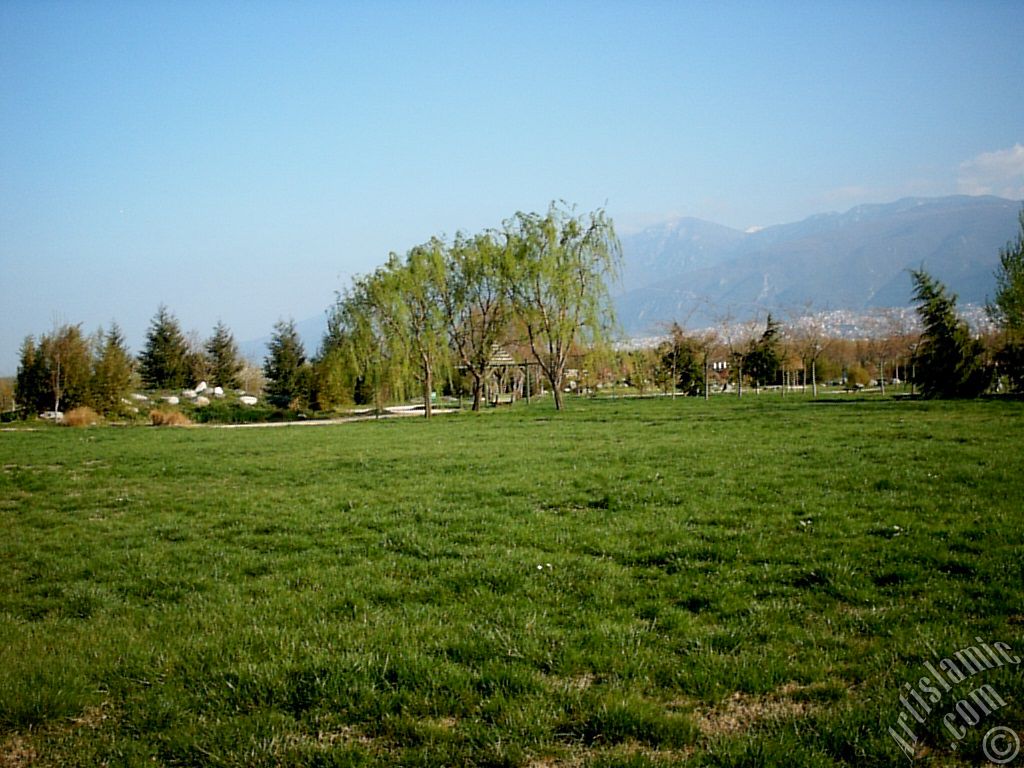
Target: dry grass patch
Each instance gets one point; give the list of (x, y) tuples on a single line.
[(16, 753), (742, 712), (82, 416), (169, 419)]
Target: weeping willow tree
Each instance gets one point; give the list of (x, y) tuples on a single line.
[(392, 324), (559, 265), (476, 305)]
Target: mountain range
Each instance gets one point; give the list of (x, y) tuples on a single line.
[(697, 273)]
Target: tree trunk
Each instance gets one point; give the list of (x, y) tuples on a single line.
[(478, 390), (428, 390), (814, 378)]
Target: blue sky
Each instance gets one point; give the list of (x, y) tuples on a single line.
[(241, 161)]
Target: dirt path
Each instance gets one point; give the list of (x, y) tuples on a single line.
[(400, 412)]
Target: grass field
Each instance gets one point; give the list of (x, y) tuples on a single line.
[(629, 583)]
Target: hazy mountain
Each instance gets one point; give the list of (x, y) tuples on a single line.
[(696, 272)]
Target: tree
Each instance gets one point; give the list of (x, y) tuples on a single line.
[(949, 361), (1007, 309), (412, 293), (30, 382), (224, 362), (476, 303), (164, 363), (808, 333), (55, 373), (68, 362), (112, 370), (285, 364), (680, 363), (762, 360), (558, 265)]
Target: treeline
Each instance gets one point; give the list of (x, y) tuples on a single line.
[(435, 315), (436, 319), (66, 368)]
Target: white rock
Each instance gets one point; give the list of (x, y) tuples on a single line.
[(201, 401), (218, 391), (189, 393), (171, 400), (200, 387), (140, 398), (247, 400)]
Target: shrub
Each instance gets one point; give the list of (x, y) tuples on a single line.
[(169, 419), (82, 416)]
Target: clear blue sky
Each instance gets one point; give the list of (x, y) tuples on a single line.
[(240, 161)]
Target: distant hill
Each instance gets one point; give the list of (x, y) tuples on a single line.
[(697, 272)]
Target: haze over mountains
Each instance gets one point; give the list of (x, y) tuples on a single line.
[(697, 272)]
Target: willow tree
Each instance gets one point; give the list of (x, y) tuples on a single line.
[(417, 287), (559, 265), (476, 303)]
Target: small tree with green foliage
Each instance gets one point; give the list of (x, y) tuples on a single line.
[(164, 360), (950, 363), (763, 359), (285, 366), (223, 361), (1007, 309), (30, 382), (680, 363), (112, 370)]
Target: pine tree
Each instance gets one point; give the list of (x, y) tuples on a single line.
[(30, 383), (950, 363), (112, 371), (163, 363), (285, 366), (225, 364), (763, 361)]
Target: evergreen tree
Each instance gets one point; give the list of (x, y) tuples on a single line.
[(285, 366), (163, 363), (112, 371), (763, 360), (950, 363), (30, 383), (225, 364), (1007, 309)]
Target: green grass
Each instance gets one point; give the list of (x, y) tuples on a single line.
[(630, 583)]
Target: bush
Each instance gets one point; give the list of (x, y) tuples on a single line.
[(169, 419), (82, 416)]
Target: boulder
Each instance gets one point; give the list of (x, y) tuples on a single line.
[(200, 387), (202, 401), (140, 398), (248, 400), (218, 391), (189, 394), (171, 400)]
